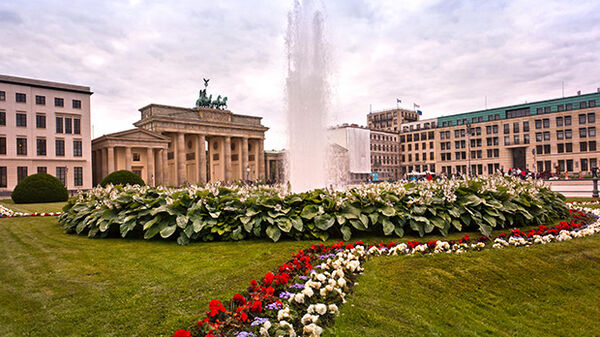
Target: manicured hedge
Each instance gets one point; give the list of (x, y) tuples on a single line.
[(40, 187), (235, 213), (122, 177)]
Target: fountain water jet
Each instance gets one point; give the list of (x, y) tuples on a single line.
[(307, 97)]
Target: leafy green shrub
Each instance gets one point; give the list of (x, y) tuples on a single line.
[(122, 177), (40, 187), (234, 213)]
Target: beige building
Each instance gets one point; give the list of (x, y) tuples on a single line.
[(550, 137), (390, 119), (385, 154), (44, 127), (175, 145)]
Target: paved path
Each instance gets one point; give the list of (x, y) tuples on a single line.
[(572, 188)]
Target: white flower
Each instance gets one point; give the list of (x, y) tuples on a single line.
[(321, 308), (308, 292), (333, 309), (313, 330), (298, 298)]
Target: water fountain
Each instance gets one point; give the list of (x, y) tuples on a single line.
[(307, 97)]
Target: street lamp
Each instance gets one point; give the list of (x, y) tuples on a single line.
[(469, 148)]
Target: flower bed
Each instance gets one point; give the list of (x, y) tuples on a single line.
[(304, 295), (236, 213), (8, 213)]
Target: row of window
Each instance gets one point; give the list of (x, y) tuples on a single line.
[(384, 160), (61, 174), (41, 100), (416, 137), (423, 146), (423, 156), (567, 107), (384, 147), (59, 145), (63, 124), (383, 137), (421, 168)]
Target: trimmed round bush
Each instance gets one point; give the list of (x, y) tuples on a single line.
[(40, 187), (122, 177)]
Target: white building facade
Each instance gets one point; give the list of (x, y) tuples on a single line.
[(44, 127)]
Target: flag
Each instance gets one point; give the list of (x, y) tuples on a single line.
[(416, 105), (420, 112), (398, 100)]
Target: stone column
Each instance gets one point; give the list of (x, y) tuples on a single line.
[(111, 160), (227, 159), (180, 158), (150, 166), (201, 159), (128, 158), (244, 162), (104, 172), (261, 159), (164, 165)]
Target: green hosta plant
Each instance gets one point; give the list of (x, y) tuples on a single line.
[(216, 212)]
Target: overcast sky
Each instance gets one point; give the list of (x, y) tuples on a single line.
[(444, 55)]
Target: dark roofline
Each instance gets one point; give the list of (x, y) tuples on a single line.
[(45, 84)]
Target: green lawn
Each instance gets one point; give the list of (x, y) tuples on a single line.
[(30, 208), (54, 284)]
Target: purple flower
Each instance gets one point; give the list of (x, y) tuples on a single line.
[(245, 334), (297, 286), (285, 295), (273, 306), (302, 277), (259, 321)]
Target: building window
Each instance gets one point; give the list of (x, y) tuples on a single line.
[(560, 135), (592, 103), (3, 176), (560, 107), (2, 117), (546, 122), (569, 106), (60, 147), (583, 147), (592, 131), (559, 121), (77, 126), (538, 136), (20, 98), (60, 102), (136, 156), (506, 140), (77, 152), (538, 123), (582, 132), (2, 96), (516, 139), (526, 138), (40, 121), (22, 146), (582, 105), (21, 173), (41, 146), (516, 127), (526, 126), (568, 134), (59, 125), (546, 109), (42, 169), (21, 119), (506, 128), (560, 148), (582, 119), (61, 174), (547, 149), (78, 176), (567, 120), (591, 117), (68, 125), (76, 104), (40, 100), (568, 147), (584, 164), (539, 111), (592, 146), (546, 136), (2, 145), (569, 165)]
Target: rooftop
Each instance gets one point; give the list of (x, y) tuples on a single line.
[(45, 84)]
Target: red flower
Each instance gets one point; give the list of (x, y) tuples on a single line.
[(253, 284), (243, 317), (269, 277), (215, 308), (256, 306), (349, 246), (182, 333), (239, 299), (270, 290), (210, 334)]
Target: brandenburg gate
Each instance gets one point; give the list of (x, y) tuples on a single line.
[(175, 145)]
